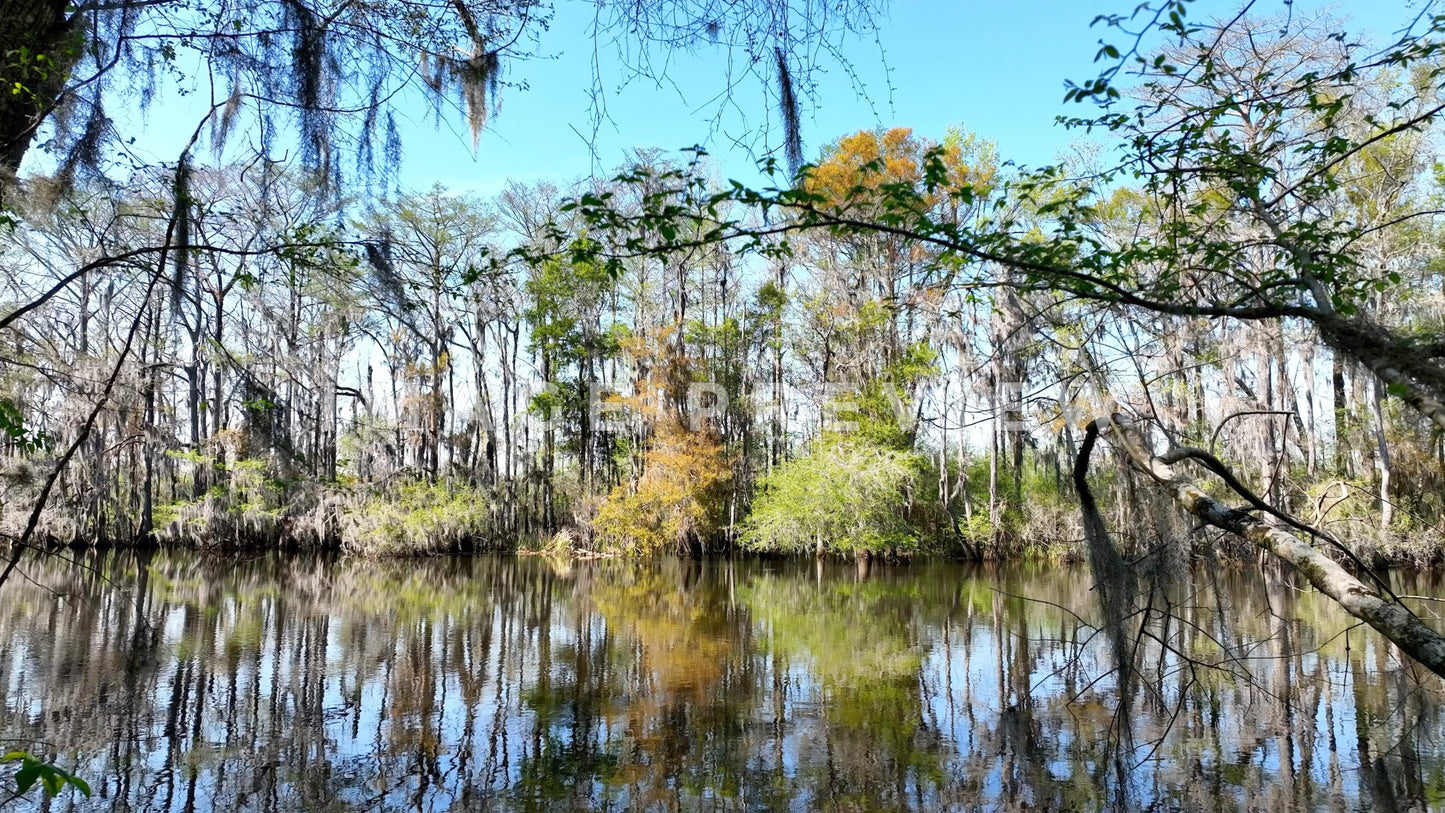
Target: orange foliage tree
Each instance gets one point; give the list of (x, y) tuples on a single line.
[(857, 170), (678, 501), (874, 298)]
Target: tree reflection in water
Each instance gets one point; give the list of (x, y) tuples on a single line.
[(175, 681)]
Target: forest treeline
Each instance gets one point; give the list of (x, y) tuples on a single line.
[(384, 383), (249, 358), (393, 379)]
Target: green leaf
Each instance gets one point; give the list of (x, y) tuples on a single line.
[(26, 776), (53, 781)]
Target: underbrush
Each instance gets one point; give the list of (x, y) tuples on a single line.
[(415, 518), (253, 508)]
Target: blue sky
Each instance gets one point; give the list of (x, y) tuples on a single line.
[(994, 68), (997, 69)]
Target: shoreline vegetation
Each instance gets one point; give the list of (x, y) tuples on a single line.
[(407, 393), (411, 517)]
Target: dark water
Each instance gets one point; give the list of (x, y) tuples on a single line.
[(179, 682)]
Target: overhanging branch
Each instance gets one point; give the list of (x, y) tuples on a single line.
[(1390, 618)]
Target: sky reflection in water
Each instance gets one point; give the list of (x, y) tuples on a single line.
[(174, 681)]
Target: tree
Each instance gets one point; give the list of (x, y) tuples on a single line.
[(1240, 214), (338, 71), (566, 305), (846, 495), (427, 249), (890, 274), (678, 501)]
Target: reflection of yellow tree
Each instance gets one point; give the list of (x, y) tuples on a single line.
[(680, 653), (681, 637)]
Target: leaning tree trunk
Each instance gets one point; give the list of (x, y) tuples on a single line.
[(1387, 615)]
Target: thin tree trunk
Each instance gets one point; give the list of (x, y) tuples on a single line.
[(1382, 456)]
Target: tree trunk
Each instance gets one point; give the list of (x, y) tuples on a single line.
[(1382, 455), (42, 28), (1341, 407), (1390, 618)]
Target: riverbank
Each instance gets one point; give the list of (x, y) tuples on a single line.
[(254, 508)]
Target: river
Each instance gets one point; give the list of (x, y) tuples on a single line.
[(178, 681)]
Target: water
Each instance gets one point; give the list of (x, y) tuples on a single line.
[(176, 681)]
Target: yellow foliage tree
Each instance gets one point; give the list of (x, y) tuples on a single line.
[(876, 292), (678, 502)]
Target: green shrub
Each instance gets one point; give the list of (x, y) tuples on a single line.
[(415, 518), (845, 495), (247, 508)]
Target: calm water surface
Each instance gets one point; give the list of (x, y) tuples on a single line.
[(176, 681)]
